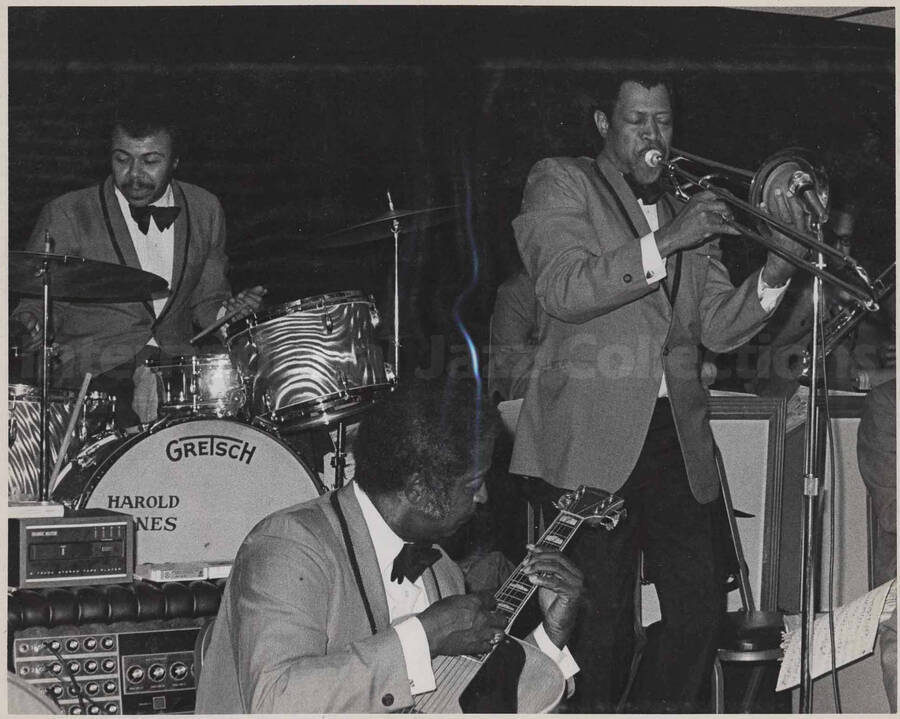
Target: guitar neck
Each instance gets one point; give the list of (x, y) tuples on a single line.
[(515, 592)]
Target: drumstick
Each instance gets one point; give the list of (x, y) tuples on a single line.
[(70, 429), (218, 323)]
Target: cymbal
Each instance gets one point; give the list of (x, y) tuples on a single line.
[(76, 278), (381, 227)]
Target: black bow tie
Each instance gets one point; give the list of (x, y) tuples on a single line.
[(413, 560), (648, 194), (164, 216)]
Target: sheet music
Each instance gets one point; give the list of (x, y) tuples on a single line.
[(855, 627)]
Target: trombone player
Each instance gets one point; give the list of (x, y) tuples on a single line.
[(630, 285)]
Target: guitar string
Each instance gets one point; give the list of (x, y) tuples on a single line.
[(462, 671)]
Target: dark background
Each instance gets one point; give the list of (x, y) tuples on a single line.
[(301, 118)]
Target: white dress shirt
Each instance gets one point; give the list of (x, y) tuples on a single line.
[(655, 271), (406, 599), (156, 249)]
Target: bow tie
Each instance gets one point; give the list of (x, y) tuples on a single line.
[(164, 216), (412, 560), (648, 194)]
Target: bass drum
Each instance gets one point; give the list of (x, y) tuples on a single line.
[(195, 487)]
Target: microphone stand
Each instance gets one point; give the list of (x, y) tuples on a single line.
[(812, 466)]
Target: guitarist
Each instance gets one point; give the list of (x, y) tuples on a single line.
[(329, 608)]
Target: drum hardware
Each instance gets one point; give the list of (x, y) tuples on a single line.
[(75, 278), (392, 223), (339, 460)]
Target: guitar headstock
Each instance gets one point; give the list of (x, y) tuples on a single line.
[(593, 506)]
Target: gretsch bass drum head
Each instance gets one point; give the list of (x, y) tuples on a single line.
[(195, 488)]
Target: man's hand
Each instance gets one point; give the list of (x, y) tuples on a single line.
[(29, 334), (247, 301), (702, 217), (462, 624), (777, 271), (561, 585)]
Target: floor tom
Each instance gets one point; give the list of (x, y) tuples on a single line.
[(24, 432)]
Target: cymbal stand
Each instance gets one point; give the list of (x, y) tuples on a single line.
[(44, 472), (395, 231), (339, 460)]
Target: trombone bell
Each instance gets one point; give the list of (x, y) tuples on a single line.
[(787, 176), (792, 172)]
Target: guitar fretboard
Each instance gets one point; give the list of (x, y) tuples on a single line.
[(517, 589)]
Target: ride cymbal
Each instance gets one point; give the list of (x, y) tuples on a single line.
[(77, 278)]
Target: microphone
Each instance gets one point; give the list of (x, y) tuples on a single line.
[(803, 187), (653, 157)]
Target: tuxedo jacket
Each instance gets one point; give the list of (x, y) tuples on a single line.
[(606, 336), (292, 634), (96, 336)]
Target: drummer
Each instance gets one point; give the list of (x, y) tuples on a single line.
[(139, 216)]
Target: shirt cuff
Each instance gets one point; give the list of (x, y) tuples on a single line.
[(561, 657), (416, 655), (654, 264), (769, 297)]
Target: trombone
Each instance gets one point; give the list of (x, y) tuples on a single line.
[(790, 171)]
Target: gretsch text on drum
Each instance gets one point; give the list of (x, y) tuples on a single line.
[(210, 446)]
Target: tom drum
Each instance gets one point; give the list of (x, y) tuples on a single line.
[(313, 361)]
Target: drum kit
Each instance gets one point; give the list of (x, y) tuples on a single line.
[(217, 447)]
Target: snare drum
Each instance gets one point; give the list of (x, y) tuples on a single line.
[(195, 487), (25, 432), (201, 385), (311, 362)]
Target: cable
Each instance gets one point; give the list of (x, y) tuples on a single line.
[(835, 686), (79, 692)]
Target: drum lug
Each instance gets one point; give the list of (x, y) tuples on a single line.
[(374, 316), (345, 385), (389, 373), (327, 322)]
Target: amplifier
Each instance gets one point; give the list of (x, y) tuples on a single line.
[(91, 546), (112, 669)]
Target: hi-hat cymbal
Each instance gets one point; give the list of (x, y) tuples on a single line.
[(382, 227), (76, 278)]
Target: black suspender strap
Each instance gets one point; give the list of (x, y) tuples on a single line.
[(342, 520)]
